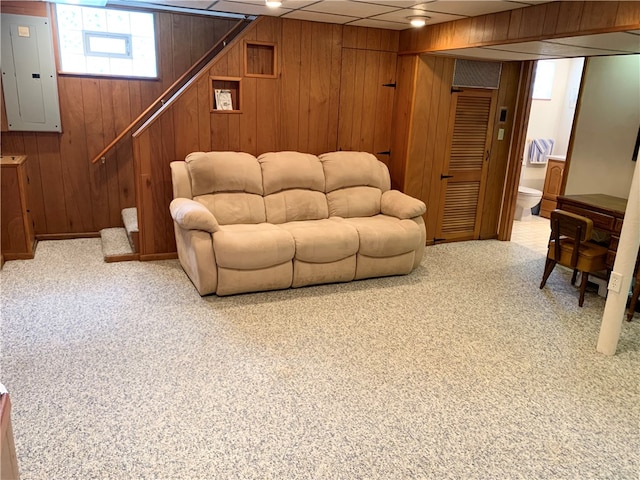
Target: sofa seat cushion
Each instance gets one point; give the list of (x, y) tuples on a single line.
[(383, 236), (247, 247), (322, 241)]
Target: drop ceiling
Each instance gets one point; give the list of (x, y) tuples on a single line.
[(392, 14), (389, 14)]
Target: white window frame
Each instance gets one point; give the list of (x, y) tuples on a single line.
[(111, 36)]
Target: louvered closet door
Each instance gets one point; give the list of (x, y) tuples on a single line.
[(466, 165)]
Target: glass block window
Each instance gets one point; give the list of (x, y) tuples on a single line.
[(100, 41)]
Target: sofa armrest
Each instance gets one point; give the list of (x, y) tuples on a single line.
[(192, 215), (400, 205)]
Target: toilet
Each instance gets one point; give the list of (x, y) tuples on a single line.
[(527, 198)]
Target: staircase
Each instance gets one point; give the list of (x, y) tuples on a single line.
[(121, 244)]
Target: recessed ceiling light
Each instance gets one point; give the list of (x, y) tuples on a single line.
[(273, 3), (418, 21)]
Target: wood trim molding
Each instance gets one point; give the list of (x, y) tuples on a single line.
[(66, 236), (537, 22), (521, 122), (158, 256)]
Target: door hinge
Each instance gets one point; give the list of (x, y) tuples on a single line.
[(387, 152), (392, 85), (443, 176)]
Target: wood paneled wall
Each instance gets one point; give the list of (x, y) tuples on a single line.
[(328, 95), (68, 194), (548, 20)]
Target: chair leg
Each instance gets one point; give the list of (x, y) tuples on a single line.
[(548, 268), (583, 287), (574, 276)]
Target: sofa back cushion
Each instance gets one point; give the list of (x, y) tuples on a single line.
[(229, 184), (293, 186), (354, 183)]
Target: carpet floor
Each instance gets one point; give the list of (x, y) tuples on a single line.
[(463, 369)]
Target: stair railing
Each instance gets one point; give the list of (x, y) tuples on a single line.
[(177, 85)]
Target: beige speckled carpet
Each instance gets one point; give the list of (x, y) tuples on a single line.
[(463, 369)]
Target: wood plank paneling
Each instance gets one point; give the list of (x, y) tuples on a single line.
[(74, 155), (53, 191), (71, 195), (402, 117), (290, 102), (94, 134), (34, 9), (36, 198)]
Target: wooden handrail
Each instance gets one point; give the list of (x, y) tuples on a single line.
[(175, 86)]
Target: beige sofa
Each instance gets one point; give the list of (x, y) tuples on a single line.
[(289, 219)]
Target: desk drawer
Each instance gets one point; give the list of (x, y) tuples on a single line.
[(613, 244), (600, 220), (617, 228)]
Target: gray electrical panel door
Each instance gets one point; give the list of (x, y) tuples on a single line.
[(29, 74)]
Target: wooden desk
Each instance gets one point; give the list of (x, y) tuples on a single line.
[(606, 212)]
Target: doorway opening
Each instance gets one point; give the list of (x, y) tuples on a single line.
[(553, 106)]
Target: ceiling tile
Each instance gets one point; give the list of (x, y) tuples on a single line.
[(198, 4), (470, 8), (401, 16), (486, 54), (318, 17), (247, 8), (619, 41), (393, 3), (550, 49), (353, 9), (373, 23)]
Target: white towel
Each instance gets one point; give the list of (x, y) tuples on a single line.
[(539, 149)]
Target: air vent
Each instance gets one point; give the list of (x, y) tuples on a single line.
[(474, 74)]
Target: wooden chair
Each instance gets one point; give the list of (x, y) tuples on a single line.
[(569, 246)]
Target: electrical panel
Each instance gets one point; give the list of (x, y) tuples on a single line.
[(29, 78)]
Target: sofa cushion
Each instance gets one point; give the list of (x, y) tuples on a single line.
[(286, 170), (383, 236), (213, 172), (296, 204), (354, 202), (231, 208), (246, 247), (352, 169), (322, 241)]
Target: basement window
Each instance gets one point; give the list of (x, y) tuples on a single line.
[(101, 41)]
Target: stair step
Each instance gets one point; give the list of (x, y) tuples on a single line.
[(115, 242), (130, 220)]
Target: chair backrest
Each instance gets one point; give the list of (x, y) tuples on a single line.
[(567, 225), (570, 225)]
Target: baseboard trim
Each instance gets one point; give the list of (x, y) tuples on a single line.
[(17, 256), (67, 236), (127, 257), (158, 256)]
